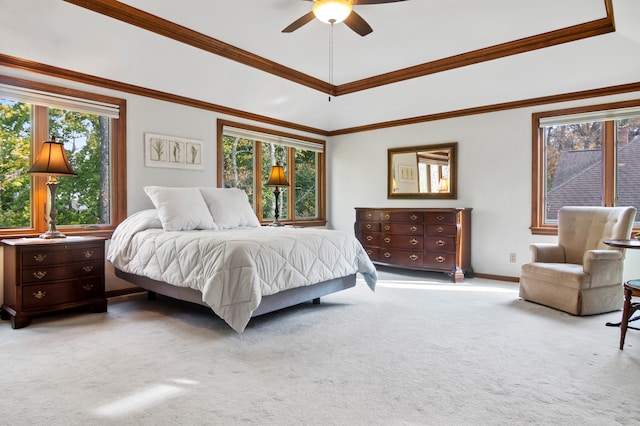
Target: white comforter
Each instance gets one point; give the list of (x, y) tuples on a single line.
[(234, 268)]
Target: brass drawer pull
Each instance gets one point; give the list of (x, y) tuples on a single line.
[(368, 226), (440, 217), (40, 257), (88, 287), (387, 227), (413, 242), (387, 240), (369, 238), (440, 259), (88, 268), (40, 274), (387, 216), (369, 252), (40, 294), (440, 243), (88, 253), (414, 228), (369, 215), (413, 217), (440, 229), (387, 254), (414, 257)]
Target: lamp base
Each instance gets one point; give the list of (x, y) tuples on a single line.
[(276, 223), (50, 234)]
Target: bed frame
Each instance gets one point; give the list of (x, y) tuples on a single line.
[(284, 299)]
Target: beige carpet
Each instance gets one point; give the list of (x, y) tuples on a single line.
[(419, 351)]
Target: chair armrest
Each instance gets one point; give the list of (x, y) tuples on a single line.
[(604, 266), (546, 253)]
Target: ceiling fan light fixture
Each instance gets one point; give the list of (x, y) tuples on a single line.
[(331, 11)]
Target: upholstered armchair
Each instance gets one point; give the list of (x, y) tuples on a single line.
[(580, 275)]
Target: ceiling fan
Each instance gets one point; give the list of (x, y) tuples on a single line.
[(334, 11)]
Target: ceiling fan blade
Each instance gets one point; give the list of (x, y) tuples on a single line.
[(361, 2), (358, 24), (305, 19)]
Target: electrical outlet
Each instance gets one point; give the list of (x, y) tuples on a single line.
[(512, 257)]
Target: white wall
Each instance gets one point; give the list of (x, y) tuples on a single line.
[(494, 170), (494, 178)]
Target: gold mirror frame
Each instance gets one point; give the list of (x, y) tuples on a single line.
[(403, 176)]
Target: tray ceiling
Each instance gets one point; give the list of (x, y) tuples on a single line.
[(416, 62)]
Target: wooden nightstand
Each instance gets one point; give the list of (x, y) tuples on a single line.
[(42, 276)]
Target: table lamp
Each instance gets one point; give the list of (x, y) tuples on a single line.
[(277, 178), (51, 162)]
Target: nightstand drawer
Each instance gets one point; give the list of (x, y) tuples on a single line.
[(63, 272), (45, 256), (38, 296)]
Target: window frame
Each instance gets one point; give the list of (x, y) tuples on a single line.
[(538, 226), (118, 172), (321, 219)]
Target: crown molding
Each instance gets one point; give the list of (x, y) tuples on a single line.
[(163, 27)]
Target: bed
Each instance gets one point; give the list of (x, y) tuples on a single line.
[(205, 245)]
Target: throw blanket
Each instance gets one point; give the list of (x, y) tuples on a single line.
[(234, 268)]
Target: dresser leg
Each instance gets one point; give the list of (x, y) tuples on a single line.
[(20, 320), (99, 306)]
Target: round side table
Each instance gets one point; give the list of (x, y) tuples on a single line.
[(631, 288)]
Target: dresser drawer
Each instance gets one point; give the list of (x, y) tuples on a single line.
[(411, 217), (43, 295), (403, 228), (369, 215), (440, 260), (411, 242), (441, 244), (370, 239), (45, 256), (61, 272), (449, 230), (369, 226), (441, 217), (402, 257), (373, 253)]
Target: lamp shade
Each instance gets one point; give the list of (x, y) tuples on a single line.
[(444, 185), (277, 177), (52, 160), (331, 11)]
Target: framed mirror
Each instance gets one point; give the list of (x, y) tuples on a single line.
[(427, 171)]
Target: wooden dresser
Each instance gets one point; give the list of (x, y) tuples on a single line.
[(423, 239), (42, 276)]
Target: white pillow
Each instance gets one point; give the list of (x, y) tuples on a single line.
[(229, 207), (180, 208)]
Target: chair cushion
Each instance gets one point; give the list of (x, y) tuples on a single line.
[(562, 274)]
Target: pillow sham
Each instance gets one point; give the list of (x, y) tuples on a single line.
[(229, 207), (180, 209)]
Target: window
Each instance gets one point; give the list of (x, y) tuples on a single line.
[(245, 157), (92, 132), (585, 156)]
